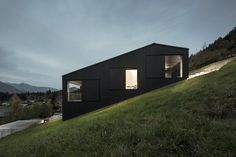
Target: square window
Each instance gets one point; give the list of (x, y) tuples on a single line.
[(74, 90), (131, 79)]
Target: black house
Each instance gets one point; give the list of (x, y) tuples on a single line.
[(122, 77)]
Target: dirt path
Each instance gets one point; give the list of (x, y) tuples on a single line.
[(210, 68)]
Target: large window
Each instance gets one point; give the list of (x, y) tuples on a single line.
[(74, 90), (131, 79), (173, 66)]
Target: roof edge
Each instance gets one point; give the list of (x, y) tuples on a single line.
[(170, 46), (125, 54)]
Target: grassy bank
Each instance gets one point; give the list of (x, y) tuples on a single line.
[(191, 118)]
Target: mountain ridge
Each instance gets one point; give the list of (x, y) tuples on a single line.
[(22, 88), (4, 88)]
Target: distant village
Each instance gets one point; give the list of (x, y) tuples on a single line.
[(29, 105)]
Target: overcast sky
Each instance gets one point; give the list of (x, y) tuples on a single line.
[(40, 40)]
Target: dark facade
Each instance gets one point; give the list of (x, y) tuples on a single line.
[(122, 77)]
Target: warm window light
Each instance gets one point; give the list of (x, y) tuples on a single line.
[(173, 66), (74, 90), (131, 79)]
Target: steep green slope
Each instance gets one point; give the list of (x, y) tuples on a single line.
[(191, 118)]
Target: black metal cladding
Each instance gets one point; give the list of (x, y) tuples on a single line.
[(104, 83), (155, 61)]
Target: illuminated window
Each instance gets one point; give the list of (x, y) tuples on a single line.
[(74, 90), (173, 66), (131, 79)]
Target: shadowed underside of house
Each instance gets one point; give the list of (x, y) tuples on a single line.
[(122, 77)]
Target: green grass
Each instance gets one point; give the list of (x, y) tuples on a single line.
[(191, 118)]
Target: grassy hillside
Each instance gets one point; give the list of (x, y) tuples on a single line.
[(221, 49), (191, 118)]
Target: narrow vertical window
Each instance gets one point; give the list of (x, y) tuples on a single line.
[(131, 79), (74, 90), (173, 66)]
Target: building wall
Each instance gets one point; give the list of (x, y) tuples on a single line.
[(104, 83)]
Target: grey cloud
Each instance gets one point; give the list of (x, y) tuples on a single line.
[(14, 66), (46, 39)]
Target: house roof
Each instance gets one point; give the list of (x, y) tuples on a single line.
[(153, 44)]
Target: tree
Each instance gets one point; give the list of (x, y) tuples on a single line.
[(53, 98), (204, 46), (49, 94), (15, 102), (45, 110)]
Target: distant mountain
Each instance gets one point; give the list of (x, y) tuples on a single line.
[(22, 87), (4, 87), (221, 49)]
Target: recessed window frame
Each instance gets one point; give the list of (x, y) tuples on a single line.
[(181, 66), (68, 92), (137, 79)]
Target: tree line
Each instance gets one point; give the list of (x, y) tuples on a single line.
[(220, 49), (30, 105)]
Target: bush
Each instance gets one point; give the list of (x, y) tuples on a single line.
[(45, 110)]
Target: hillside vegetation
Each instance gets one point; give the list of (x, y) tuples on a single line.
[(221, 49), (194, 117)]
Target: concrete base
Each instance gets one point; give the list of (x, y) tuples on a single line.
[(19, 125)]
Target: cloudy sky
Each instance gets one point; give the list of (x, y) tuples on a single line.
[(40, 40)]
